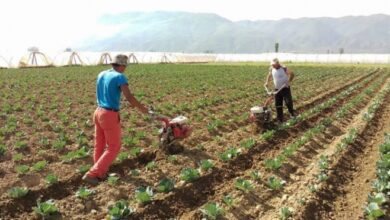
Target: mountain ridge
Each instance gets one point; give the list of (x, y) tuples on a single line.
[(208, 32)]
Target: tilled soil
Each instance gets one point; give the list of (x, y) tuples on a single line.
[(346, 191)]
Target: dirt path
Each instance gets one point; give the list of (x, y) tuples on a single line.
[(191, 197), (348, 204), (265, 204), (350, 183), (355, 175)]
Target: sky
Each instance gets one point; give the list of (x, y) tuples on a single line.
[(53, 25)]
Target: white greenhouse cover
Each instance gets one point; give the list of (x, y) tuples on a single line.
[(70, 59), (31, 59), (312, 58), (38, 59)]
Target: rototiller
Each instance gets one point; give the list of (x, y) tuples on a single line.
[(262, 115), (173, 131)]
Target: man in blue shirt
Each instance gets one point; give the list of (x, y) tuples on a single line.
[(109, 86)]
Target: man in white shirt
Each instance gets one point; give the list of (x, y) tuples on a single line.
[(282, 78)]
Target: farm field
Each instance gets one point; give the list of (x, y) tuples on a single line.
[(331, 162)]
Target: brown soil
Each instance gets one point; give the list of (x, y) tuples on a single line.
[(262, 202), (194, 195), (184, 198), (345, 193)]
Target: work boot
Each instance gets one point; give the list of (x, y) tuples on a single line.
[(91, 180), (293, 115)]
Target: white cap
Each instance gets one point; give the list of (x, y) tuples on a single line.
[(274, 61)]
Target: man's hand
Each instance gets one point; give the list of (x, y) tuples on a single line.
[(151, 112)]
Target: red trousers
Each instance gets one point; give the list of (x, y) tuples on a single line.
[(107, 141)]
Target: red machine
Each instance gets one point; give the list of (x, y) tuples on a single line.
[(173, 130)]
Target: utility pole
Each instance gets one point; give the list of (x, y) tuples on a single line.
[(276, 47)]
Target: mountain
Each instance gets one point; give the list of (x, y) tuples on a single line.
[(201, 32)]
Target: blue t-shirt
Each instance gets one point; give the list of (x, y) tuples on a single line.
[(108, 91)]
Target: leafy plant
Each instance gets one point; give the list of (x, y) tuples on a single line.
[(248, 143), (112, 180), (288, 151), (151, 165), (384, 162), (244, 185), (206, 165), (229, 154), (284, 213), (140, 135), (313, 188), (166, 185), (255, 174), (268, 135), (39, 166), (228, 200), (20, 145), (274, 164), (84, 168), (135, 151), (381, 186), (44, 141), (189, 174), (120, 210), (42, 153), (385, 147), (378, 198), (17, 157), (212, 210), (275, 183), (122, 156), (373, 211), (135, 172), (214, 125), (22, 169), (51, 179), (351, 136), (45, 209), (3, 149), (17, 192), (144, 195), (80, 153), (383, 174), (323, 163), (322, 177), (59, 144), (84, 193), (130, 142), (173, 159)]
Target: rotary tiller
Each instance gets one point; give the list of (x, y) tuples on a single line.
[(262, 115), (173, 131)]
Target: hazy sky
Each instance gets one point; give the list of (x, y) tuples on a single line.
[(56, 24)]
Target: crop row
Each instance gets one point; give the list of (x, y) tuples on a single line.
[(258, 177), (231, 155)]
